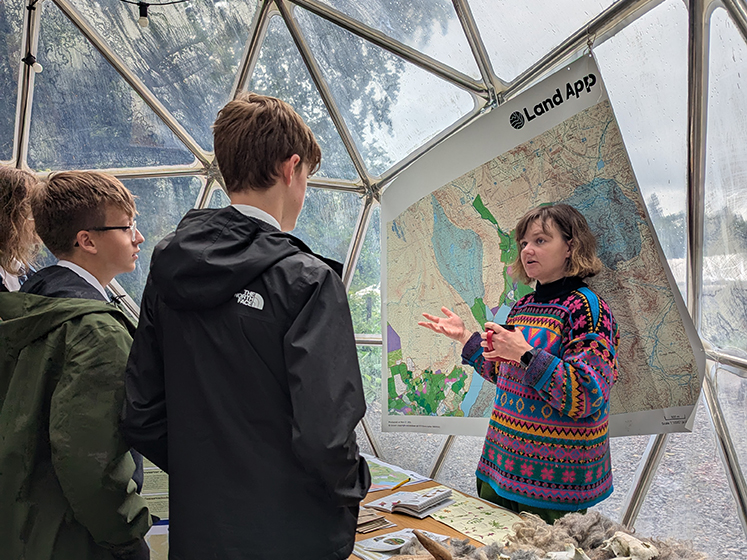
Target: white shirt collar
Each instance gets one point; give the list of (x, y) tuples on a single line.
[(87, 276), (10, 280), (254, 212)]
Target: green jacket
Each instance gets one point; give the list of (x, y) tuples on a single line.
[(66, 489)]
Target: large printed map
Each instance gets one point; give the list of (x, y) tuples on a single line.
[(455, 245)]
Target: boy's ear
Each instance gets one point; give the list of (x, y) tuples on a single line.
[(85, 242), (288, 167)]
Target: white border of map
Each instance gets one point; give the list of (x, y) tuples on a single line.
[(481, 142)]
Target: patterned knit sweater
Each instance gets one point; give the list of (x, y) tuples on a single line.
[(547, 443)]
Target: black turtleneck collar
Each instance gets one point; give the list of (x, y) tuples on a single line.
[(554, 290)]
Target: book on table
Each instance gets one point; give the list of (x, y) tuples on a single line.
[(417, 504)]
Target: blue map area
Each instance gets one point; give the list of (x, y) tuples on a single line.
[(471, 396), (458, 254), (612, 217)]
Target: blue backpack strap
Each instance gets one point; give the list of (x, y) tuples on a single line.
[(593, 304)]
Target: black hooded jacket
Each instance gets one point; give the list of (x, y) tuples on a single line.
[(243, 384)]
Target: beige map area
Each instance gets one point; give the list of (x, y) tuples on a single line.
[(583, 162)]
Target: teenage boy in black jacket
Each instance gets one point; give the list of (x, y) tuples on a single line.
[(243, 380)]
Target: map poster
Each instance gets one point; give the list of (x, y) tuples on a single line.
[(447, 240)]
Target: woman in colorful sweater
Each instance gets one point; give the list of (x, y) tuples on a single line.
[(547, 449)]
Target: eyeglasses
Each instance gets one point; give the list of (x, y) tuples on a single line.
[(133, 228)]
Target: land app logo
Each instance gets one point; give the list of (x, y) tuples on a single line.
[(518, 119)]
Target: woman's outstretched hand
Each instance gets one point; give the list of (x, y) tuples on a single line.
[(451, 325)]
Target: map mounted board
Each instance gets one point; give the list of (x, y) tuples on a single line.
[(448, 241)]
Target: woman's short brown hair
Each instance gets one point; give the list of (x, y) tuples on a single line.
[(70, 201), (253, 135), (19, 243), (572, 225)]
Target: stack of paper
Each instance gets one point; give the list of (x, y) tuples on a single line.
[(369, 521)]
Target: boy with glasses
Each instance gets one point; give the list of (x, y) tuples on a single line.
[(66, 475)]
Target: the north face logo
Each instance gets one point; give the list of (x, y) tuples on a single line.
[(250, 299)]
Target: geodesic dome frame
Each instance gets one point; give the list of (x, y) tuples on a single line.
[(382, 84)]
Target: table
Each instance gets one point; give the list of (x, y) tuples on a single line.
[(408, 522)]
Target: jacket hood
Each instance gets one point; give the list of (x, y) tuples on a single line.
[(26, 317), (214, 254)]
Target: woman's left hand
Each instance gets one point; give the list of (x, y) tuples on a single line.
[(507, 345)]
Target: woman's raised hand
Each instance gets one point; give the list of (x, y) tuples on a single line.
[(451, 325)]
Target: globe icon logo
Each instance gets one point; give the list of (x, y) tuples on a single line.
[(516, 119)]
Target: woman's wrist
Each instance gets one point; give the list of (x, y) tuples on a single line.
[(464, 339)]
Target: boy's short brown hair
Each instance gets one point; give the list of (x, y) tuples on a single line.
[(572, 225), (70, 201), (253, 135)]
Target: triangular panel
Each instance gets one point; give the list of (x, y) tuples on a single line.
[(430, 26), (390, 106), (689, 498), (161, 204), (364, 294), (518, 33), (280, 72), (327, 221), (85, 115), (11, 32), (731, 387), (645, 71), (188, 55), (725, 243)]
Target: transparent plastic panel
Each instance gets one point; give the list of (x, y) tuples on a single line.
[(518, 33), (85, 115), (369, 359), (390, 106), (731, 390), (430, 26), (161, 204), (327, 221), (626, 453), (218, 199), (408, 450), (458, 471), (281, 72), (11, 31), (690, 499), (364, 294), (188, 55), (724, 298), (644, 68), (44, 258)]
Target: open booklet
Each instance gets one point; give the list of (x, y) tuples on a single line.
[(418, 504), (385, 476)]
